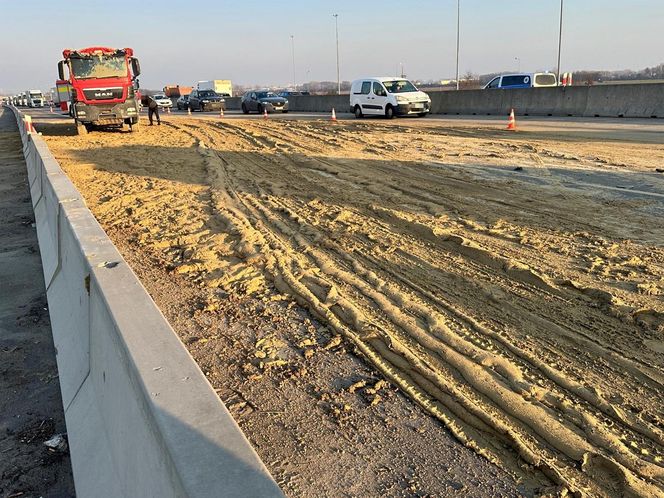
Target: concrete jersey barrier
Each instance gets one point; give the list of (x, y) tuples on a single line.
[(142, 420), (633, 101)]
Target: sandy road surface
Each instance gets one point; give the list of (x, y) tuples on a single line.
[(521, 308)]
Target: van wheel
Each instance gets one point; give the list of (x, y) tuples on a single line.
[(244, 109), (202, 108), (389, 112), (358, 112), (259, 109)]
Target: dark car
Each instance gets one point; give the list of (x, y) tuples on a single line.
[(289, 93), (263, 100), (182, 102), (206, 100)]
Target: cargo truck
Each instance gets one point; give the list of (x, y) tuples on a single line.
[(35, 98), (175, 91), (224, 87), (102, 83)]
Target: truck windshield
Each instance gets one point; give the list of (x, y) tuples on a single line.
[(98, 67), (399, 86), (35, 94)]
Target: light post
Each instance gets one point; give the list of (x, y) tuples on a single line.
[(457, 45), (292, 39), (336, 28), (560, 38)]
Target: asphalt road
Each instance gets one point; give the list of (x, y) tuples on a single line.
[(31, 409), (633, 130)]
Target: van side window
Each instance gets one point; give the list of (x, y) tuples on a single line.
[(494, 83), (379, 90), (366, 87), (517, 80)]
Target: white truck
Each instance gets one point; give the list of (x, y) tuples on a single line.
[(34, 98), (224, 87)]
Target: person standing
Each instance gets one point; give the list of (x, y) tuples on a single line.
[(153, 110)]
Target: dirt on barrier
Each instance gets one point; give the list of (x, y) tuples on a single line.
[(510, 285)]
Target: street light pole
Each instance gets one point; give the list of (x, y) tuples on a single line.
[(457, 46), (560, 38), (336, 28), (292, 39)]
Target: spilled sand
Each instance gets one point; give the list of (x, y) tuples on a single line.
[(525, 313)]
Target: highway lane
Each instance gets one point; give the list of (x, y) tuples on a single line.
[(564, 128)]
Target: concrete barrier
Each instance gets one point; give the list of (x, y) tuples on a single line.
[(634, 101), (142, 420)]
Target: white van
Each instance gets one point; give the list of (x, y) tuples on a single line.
[(387, 97), (522, 80)]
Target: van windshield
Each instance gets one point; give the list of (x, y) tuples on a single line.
[(399, 86)]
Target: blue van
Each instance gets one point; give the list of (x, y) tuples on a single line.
[(523, 80)]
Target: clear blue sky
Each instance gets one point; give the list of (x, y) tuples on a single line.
[(248, 41)]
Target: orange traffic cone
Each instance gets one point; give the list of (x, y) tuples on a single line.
[(334, 115), (265, 114), (189, 110), (168, 110), (221, 112), (50, 109), (511, 123)]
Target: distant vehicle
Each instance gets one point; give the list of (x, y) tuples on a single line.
[(206, 100), (263, 100), (182, 102), (162, 100), (289, 93), (176, 90), (224, 87), (522, 80), (387, 97), (34, 98)]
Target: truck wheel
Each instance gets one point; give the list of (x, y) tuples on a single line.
[(358, 112), (389, 112), (244, 109)]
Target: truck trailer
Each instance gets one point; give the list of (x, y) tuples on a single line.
[(102, 83), (224, 87), (175, 91)]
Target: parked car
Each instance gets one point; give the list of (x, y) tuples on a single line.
[(522, 80), (162, 100), (182, 102), (206, 100), (387, 97), (263, 100)]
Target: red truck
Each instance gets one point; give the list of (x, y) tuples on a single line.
[(103, 87)]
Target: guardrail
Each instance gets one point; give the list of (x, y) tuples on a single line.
[(142, 420), (633, 101)]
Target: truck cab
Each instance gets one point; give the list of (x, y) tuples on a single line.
[(103, 82), (35, 98)]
